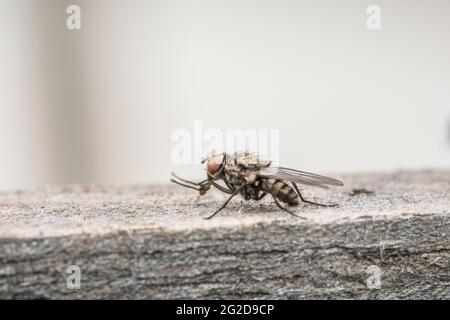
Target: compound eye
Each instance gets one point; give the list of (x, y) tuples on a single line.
[(214, 164)]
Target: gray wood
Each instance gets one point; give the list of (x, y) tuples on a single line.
[(151, 242)]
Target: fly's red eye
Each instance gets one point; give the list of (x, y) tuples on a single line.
[(214, 164)]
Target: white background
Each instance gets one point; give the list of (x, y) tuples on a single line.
[(99, 105)]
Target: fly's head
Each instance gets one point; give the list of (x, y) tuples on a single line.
[(215, 165)]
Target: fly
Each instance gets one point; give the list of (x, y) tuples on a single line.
[(253, 178)]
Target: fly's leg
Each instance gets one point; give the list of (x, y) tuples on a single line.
[(222, 207), (226, 202), (190, 182), (223, 189), (201, 186), (262, 195), (229, 185), (284, 209), (311, 202), (185, 185)]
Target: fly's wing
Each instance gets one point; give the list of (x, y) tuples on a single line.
[(297, 176)]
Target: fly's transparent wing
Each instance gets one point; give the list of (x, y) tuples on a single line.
[(297, 176)]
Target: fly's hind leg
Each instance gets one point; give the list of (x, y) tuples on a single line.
[(284, 209), (311, 202)]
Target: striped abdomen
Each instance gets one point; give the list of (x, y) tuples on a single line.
[(281, 190)]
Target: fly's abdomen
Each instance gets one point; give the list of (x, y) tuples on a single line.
[(281, 190)]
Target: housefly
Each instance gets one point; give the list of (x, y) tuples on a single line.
[(253, 178)]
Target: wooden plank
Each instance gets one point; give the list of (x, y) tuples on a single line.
[(151, 242)]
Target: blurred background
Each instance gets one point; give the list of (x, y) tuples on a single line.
[(99, 105)]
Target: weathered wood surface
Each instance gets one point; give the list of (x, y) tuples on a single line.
[(151, 242)]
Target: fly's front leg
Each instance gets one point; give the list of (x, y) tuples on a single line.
[(189, 182), (223, 189), (226, 202), (310, 202), (202, 187), (230, 186), (186, 185)]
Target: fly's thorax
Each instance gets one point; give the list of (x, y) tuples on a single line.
[(235, 175), (250, 177), (249, 160), (231, 175)]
